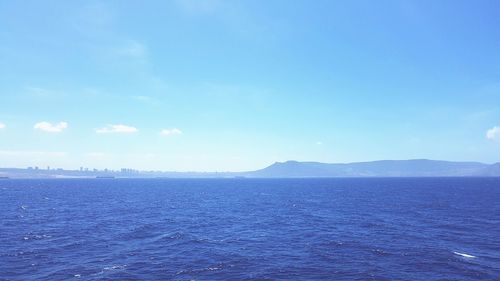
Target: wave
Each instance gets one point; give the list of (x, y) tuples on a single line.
[(464, 255)]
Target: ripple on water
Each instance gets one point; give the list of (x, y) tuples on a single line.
[(317, 229)]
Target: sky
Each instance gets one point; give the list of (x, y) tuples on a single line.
[(238, 85)]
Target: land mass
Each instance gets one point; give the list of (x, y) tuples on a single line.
[(288, 169)]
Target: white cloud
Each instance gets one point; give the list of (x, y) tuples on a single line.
[(51, 128), (319, 143), (493, 134), (117, 129), (2, 126), (170, 132)]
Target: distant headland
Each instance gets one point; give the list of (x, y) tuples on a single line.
[(288, 169)]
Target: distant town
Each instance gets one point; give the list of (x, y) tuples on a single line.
[(83, 172)]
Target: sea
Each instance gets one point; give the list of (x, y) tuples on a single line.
[(250, 229)]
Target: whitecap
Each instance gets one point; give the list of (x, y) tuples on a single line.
[(115, 267), (464, 255)]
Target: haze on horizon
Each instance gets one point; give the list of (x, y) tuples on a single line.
[(237, 85)]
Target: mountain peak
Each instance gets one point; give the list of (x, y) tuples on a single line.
[(381, 168)]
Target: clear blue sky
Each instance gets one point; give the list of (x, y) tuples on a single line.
[(237, 85)]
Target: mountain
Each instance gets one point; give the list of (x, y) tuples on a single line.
[(383, 168)]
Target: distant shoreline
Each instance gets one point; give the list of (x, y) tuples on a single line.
[(290, 169)]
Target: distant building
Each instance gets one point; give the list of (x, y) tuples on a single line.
[(128, 171)]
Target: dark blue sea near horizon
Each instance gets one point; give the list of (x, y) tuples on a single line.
[(250, 229)]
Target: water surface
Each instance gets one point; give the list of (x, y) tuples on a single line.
[(250, 229)]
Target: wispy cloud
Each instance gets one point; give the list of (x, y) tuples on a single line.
[(50, 128), (319, 143), (95, 155), (39, 92), (24, 158), (143, 98), (22, 153), (199, 7), (170, 132), (93, 20), (2, 126), (493, 134), (96, 22), (237, 17), (133, 49), (118, 129), (146, 100)]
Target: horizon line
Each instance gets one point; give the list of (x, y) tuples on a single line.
[(87, 169)]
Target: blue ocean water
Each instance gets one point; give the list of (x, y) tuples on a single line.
[(250, 229)]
